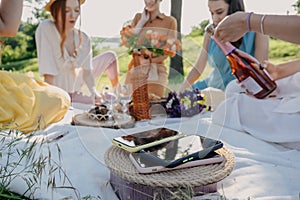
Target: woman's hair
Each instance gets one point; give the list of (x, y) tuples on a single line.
[(235, 6), (58, 10)]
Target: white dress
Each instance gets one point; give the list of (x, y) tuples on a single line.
[(271, 119), (67, 70)]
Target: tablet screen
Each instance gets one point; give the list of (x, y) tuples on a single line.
[(145, 137), (174, 150)]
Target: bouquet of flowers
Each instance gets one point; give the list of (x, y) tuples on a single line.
[(153, 41), (186, 104)]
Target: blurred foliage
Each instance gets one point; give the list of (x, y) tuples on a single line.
[(199, 30), (297, 6), (23, 46), (18, 48), (22, 66)]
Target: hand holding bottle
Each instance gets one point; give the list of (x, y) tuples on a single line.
[(272, 69), (232, 29), (249, 72), (282, 70)]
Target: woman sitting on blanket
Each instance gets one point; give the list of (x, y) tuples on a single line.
[(255, 44), (271, 119), (26, 104), (65, 54)]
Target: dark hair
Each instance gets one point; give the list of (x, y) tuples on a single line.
[(235, 6)]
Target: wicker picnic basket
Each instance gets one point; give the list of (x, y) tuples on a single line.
[(139, 76)]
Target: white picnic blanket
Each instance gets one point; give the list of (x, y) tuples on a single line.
[(262, 171), (270, 119)]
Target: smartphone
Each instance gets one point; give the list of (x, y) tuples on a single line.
[(146, 139), (145, 166), (179, 151)]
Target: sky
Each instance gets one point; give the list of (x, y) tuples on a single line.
[(106, 18)]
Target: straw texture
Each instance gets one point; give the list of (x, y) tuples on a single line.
[(118, 162)]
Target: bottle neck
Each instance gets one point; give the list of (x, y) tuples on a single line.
[(226, 47)]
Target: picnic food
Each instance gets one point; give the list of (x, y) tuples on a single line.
[(98, 113)]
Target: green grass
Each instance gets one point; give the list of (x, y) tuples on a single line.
[(281, 51), (8, 195), (22, 66)]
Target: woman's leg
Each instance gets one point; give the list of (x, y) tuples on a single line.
[(107, 61)]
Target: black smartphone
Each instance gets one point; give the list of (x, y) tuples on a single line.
[(145, 164), (179, 151)]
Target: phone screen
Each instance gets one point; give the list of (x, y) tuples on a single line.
[(146, 137), (173, 150)]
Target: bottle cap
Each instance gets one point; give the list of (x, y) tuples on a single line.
[(210, 29)]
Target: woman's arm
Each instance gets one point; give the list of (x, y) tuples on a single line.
[(198, 67), (139, 21), (10, 16), (159, 58), (48, 78), (284, 27), (261, 51), (88, 79), (90, 82), (283, 70)]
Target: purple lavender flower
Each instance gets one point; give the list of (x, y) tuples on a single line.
[(185, 104)]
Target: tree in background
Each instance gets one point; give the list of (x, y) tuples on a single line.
[(200, 29), (23, 45), (297, 6), (176, 63)]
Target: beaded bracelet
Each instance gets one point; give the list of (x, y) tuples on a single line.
[(262, 24), (248, 21)]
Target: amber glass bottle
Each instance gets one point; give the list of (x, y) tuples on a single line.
[(248, 71)]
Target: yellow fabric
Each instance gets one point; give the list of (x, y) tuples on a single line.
[(27, 104)]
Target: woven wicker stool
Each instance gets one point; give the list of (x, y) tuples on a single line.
[(175, 184)]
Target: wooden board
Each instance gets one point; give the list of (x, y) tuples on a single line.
[(120, 121)]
